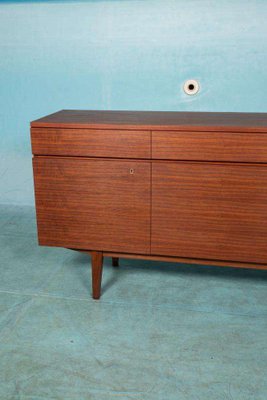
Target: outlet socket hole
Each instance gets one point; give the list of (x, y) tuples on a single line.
[(191, 87)]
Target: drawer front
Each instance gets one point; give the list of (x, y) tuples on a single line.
[(209, 146), (93, 204), (91, 142)]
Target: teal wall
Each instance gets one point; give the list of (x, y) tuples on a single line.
[(122, 54)]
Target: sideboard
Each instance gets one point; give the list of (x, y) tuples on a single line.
[(188, 187)]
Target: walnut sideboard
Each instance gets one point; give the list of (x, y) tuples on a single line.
[(187, 187)]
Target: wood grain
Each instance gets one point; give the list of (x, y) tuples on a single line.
[(209, 146), (91, 142), (209, 211), (155, 120), (92, 203)]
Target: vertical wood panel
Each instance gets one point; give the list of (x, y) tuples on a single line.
[(210, 211), (93, 204)]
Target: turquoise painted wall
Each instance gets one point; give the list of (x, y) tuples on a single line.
[(122, 55)]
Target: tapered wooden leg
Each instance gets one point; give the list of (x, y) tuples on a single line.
[(97, 267), (115, 262)]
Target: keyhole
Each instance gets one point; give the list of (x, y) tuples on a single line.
[(131, 171)]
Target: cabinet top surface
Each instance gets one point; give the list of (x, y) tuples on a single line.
[(155, 120)]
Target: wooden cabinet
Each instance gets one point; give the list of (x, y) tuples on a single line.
[(185, 187)]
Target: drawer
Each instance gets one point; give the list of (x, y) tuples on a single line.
[(91, 142), (209, 146)]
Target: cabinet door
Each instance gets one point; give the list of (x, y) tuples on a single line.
[(210, 211), (93, 204)]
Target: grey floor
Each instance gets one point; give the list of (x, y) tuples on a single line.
[(160, 331)]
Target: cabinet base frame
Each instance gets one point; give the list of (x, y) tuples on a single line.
[(97, 264)]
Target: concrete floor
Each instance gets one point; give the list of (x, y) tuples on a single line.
[(160, 331)]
